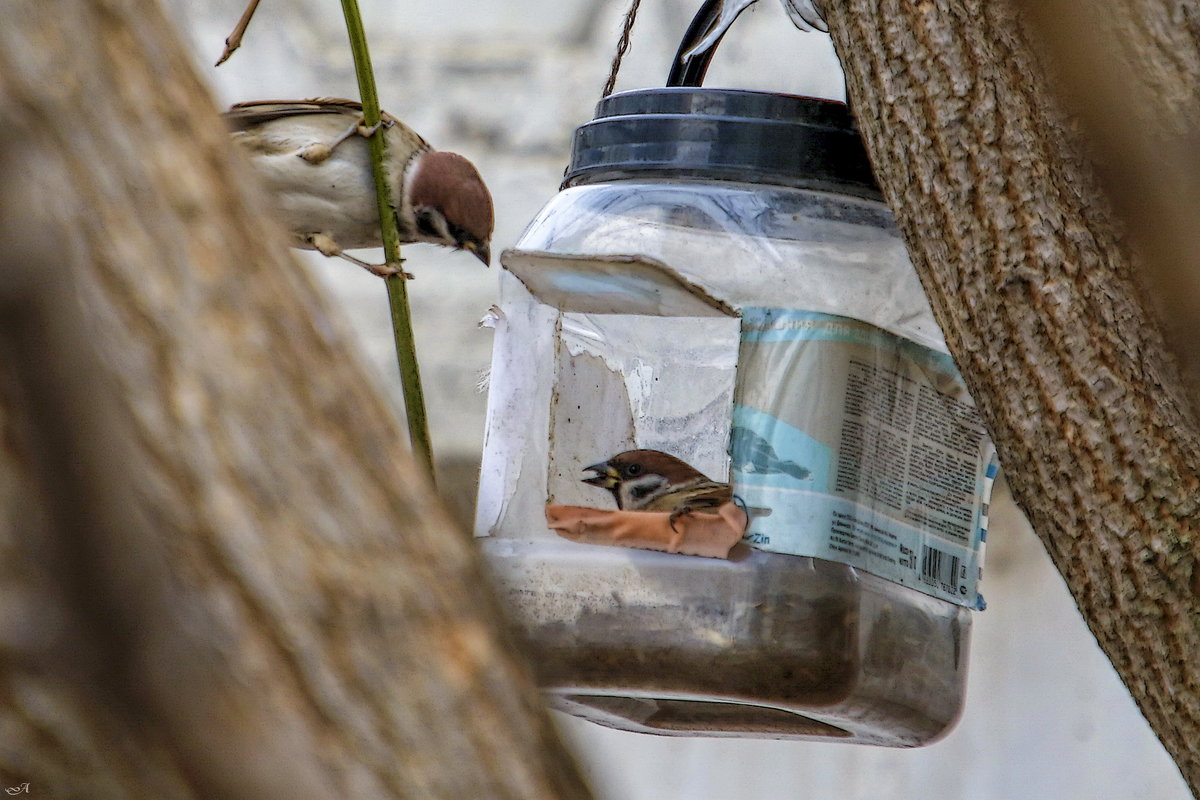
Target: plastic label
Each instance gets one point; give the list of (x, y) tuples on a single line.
[(854, 445)]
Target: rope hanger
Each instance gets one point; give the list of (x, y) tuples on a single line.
[(622, 46)]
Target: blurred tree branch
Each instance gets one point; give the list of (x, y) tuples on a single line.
[(1043, 298), (222, 575), (1129, 73)]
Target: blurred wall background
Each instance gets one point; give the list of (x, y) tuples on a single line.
[(505, 83)]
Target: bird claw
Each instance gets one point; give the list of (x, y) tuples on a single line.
[(680, 511), (382, 270), (317, 152), (388, 270), (367, 131), (327, 247), (688, 507)]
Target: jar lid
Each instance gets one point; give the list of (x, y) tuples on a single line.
[(723, 134)]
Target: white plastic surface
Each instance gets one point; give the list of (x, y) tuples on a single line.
[(751, 245)]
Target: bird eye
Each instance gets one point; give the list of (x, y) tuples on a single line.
[(633, 470)]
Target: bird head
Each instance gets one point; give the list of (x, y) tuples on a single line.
[(635, 477), (451, 203)]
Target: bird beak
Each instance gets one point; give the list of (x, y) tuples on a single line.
[(481, 251), (606, 477)]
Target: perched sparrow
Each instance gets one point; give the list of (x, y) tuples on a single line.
[(650, 480), (753, 453), (313, 156)]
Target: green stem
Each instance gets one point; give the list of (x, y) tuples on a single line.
[(397, 288)]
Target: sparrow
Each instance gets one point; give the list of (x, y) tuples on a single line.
[(752, 453), (314, 159), (651, 480)]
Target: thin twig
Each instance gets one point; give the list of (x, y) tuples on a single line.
[(406, 354), (235, 39)]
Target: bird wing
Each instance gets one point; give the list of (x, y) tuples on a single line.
[(697, 494), (242, 116), (296, 124)]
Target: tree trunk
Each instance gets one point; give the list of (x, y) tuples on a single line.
[(1033, 284), (221, 574)]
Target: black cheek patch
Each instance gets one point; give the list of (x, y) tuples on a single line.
[(426, 223)]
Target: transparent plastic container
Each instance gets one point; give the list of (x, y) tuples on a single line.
[(617, 329)]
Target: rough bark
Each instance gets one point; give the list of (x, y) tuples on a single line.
[(220, 573), (1033, 283)]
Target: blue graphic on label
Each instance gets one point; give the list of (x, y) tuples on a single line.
[(854, 445)]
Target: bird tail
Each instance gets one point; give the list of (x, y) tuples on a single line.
[(795, 470)]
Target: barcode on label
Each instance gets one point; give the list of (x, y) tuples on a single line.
[(937, 567)]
